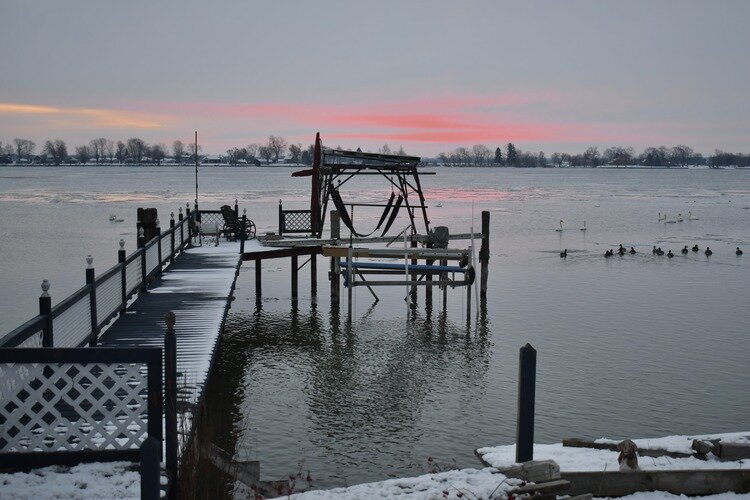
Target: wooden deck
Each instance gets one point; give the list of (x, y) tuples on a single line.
[(198, 288)]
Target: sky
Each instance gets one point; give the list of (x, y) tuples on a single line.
[(427, 75)]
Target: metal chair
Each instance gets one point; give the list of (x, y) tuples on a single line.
[(233, 225)]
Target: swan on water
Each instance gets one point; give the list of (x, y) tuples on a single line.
[(560, 228), (691, 216), (662, 216), (679, 217), (584, 226)]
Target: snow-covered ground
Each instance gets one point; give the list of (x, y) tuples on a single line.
[(589, 459), (96, 481)]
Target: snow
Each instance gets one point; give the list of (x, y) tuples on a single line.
[(589, 459), (94, 480), (466, 483)]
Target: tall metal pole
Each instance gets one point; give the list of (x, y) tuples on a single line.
[(196, 171)]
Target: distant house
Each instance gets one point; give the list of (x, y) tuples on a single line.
[(212, 160)]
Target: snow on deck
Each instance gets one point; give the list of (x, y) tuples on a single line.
[(197, 288)]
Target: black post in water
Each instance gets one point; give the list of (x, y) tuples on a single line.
[(295, 270), (121, 256), (91, 282), (45, 309), (526, 396), (150, 470), (170, 395)]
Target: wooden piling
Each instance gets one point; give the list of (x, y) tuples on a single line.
[(484, 256), (414, 276), (121, 257), (313, 274), (526, 397), (295, 269), (91, 282), (257, 276), (335, 263), (45, 309), (170, 396)]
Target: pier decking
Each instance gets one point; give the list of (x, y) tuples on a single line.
[(197, 287)]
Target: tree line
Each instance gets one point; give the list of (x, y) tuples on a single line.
[(137, 151), (276, 149), (676, 156)]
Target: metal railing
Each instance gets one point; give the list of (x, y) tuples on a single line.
[(79, 318)]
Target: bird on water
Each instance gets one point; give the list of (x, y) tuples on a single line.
[(695, 248), (632, 251), (670, 254), (708, 251), (684, 250), (738, 251), (564, 253)]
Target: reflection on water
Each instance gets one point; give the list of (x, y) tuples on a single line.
[(309, 392)]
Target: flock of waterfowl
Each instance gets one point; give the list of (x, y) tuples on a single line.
[(656, 251)]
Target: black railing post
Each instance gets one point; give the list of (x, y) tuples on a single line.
[(91, 283), (150, 470), (171, 236), (142, 248), (190, 222), (170, 396), (281, 219), (121, 257), (526, 396), (45, 309), (243, 229), (182, 229), (158, 248)]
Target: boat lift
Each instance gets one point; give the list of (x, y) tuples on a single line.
[(405, 273)]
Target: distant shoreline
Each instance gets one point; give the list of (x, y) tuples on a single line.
[(430, 165)]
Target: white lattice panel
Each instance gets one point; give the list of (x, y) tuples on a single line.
[(65, 406), (133, 275), (108, 296), (73, 326)]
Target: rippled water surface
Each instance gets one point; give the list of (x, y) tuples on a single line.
[(628, 346)]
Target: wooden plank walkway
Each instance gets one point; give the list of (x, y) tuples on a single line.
[(198, 288)]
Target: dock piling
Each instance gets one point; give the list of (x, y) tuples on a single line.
[(121, 257), (295, 269), (335, 263), (313, 274), (257, 277), (170, 396), (526, 396), (91, 282), (45, 309), (484, 257)]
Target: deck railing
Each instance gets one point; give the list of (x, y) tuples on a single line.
[(294, 221), (78, 320)]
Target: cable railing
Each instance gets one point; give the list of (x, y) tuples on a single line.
[(78, 319)]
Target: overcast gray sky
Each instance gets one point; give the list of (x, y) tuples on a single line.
[(547, 75)]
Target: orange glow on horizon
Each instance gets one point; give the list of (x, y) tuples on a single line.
[(74, 117)]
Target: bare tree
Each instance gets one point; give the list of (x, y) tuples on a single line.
[(83, 153), (481, 154), (295, 150), (252, 150), (307, 155), (681, 155), (97, 148), (400, 151), (618, 155), (385, 149), (136, 149), (178, 150), (57, 150), (109, 150), (265, 153), (121, 152), (277, 145), (24, 148), (158, 152)]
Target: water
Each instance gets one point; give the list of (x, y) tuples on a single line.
[(628, 347)]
